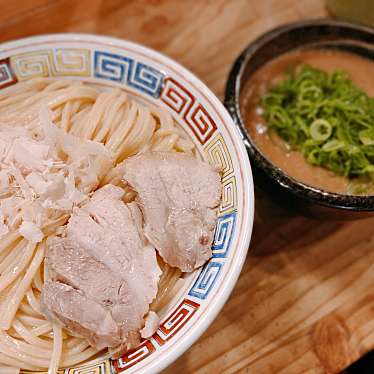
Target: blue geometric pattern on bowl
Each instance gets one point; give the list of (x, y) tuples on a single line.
[(126, 70), (206, 280), (223, 235)]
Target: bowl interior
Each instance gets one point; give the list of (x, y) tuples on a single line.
[(315, 34), (153, 78)]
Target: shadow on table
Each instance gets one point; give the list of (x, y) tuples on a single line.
[(278, 228), (363, 366)]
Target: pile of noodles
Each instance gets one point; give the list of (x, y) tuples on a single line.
[(80, 116)]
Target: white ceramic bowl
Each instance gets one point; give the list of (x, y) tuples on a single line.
[(155, 78)]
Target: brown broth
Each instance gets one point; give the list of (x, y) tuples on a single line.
[(293, 163)]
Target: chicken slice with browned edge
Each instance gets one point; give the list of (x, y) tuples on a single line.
[(103, 273), (178, 195)]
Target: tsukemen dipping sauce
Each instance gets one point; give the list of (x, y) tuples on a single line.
[(311, 113)]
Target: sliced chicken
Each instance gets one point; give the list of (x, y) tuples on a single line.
[(178, 195), (80, 315), (108, 230), (106, 262), (68, 263), (151, 325)]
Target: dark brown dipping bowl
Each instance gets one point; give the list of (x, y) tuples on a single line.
[(325, 33)]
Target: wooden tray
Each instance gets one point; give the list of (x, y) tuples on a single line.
[(302, 303), (305, 299)]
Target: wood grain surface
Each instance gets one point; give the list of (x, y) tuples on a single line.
[(304, 302)]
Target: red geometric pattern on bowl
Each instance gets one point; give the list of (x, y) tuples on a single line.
[(176, 320), (184, 312), (134, 356), (181, 101)]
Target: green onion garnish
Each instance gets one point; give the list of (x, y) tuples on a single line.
[(326, 117)]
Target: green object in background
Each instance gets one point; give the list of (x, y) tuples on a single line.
[(361, 11)]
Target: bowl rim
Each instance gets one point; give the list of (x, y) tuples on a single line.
[(176, 350), (283, 181)]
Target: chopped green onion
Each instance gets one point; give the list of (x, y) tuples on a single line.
[(320, 129), (366, 137), (332, 145), (326, 117)]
